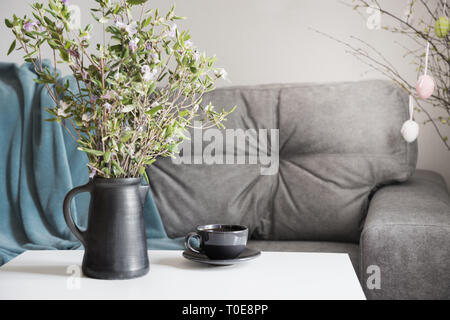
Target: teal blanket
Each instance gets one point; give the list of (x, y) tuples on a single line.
[(39, 164)]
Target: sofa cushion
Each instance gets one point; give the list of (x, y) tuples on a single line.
[(337, 142)]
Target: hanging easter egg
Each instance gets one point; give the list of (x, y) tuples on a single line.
[(410, 131), (425, 86), (442, 27)]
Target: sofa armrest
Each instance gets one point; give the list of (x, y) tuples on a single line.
[(407, 235)]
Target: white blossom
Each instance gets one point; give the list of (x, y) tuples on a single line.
[(61, 111), (86, 37), (107, 106), (85, 117), (133, 44), (173, 31), (30, 26), (221, 73), (119, 24), (196, 55), (131, 28), (155, 58), (148, 74), (145, 69), (188, 44)]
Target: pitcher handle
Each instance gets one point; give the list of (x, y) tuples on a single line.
[(68, 213)]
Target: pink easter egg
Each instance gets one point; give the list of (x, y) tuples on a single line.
[(425, 86)]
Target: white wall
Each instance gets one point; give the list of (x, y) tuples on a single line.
[(269, 41)]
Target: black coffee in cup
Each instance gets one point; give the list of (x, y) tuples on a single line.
[(219, 241)]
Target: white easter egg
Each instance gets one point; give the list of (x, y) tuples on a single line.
[(410, 131)]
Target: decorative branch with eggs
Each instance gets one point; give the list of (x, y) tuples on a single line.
[(430, 94)]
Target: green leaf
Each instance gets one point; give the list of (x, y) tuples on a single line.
[(51, 111), (103, 20), (48, 21), (8, 23), (64, 55), (12, 47), (117, 167), (107, 156), (146, 177), (94, 16), (43, 81), (136, 2), (154, 110), (183, 113), (52, 44), (147, 22), (90, 151), (152, 88), (141, 170), (126, 137)]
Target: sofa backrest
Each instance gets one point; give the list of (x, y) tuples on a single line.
[(337, 143)]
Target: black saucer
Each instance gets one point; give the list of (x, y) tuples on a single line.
[(247, 254)]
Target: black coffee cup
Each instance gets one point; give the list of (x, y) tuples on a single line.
[(219, 241)]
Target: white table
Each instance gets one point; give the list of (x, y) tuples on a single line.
[(274, 275)]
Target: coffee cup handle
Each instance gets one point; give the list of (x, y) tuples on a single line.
[(187, 242)]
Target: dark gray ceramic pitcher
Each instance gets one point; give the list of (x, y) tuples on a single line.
[(114, 241)]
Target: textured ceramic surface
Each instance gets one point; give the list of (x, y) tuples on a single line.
[(219, 241), (115, 242), (246, 255)]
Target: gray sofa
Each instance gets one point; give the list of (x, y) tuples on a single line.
[(346, 183)]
